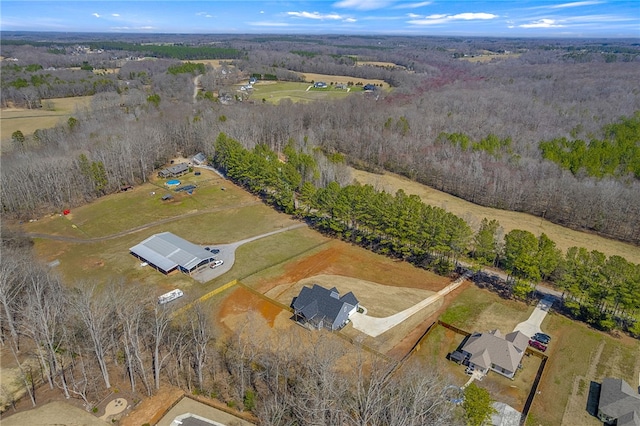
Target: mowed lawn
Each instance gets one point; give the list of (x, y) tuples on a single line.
[(274, 92), (344, 79), (575, 351), (479, 310), (578, 355), (117, 222), (473, 213), (143, 205)]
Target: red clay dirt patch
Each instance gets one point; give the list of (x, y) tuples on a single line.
[(242, 301), (340, 258)]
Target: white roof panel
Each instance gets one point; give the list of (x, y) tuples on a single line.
[(169, 250)]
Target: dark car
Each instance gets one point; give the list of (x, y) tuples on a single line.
[(542, 338), (215, 251), (537, 345)]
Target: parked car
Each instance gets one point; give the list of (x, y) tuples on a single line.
[(542, 338), (214, 251), (469, 370), (537, 345), (216, 263)]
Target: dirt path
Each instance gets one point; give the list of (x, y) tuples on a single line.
[(196, 86)]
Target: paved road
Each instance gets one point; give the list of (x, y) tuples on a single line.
[(540, 288)]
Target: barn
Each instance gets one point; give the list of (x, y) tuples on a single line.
[(167, 252)]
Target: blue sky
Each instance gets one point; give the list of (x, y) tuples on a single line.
[(526, 18)]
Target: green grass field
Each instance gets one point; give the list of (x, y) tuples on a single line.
[(577, 354), (28, 120), (274, 92)]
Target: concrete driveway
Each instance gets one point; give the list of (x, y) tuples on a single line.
[(374, 326), (532, 325), (228, 255)]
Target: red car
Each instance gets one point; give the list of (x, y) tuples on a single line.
[(537, 345)]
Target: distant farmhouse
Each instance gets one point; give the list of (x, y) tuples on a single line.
[(320, 85), (319, 307), (619, 404), (369, 87), (492, 351), (174, 171), (167, 252)]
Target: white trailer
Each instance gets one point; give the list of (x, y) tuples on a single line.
[(168, 297)]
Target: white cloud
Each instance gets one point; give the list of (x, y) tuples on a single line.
[(413, 15), (575, 4), (96, 15), (543, 23), (268, 24), (117, 15), (350, 20), (143, 28), (442, 19), (261, 12), (412, 5), (362, 4), (316, 15)]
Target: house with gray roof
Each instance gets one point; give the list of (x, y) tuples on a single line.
[(174, 171), (619, 403), (324, 308), (492, 351), (199, 159), (167, 252)]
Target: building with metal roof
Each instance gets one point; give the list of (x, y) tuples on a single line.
[(167, 252)]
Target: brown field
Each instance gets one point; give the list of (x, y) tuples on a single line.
[(490, 57), (341, 79), (380, 64), (213, 62), (29, 120), (106, 70), (473, 214), (383, 286)]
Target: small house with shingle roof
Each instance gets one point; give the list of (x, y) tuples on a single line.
[(324, 308), (618, 403), (174, 171), (492, 351)]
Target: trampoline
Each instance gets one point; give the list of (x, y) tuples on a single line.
[(173, 182)]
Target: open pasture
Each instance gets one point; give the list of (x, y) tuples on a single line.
[(473, 214), (344, 79), (274, 92), (29, 120), (215, 63), (379, 64)]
